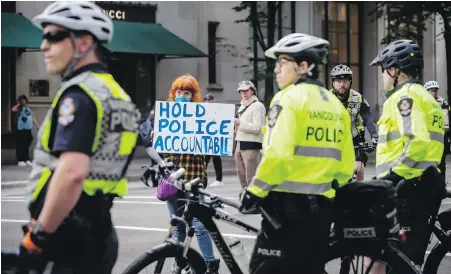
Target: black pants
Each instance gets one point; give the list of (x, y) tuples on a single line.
[(299, 246), (103, 265), (442, 165), (217, 163), (86, 241), (23, 142), (414, 206)]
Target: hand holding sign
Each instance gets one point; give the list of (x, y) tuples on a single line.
[(194, 128)]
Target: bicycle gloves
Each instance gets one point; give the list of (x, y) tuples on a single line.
[(35, 238), (249, 202)]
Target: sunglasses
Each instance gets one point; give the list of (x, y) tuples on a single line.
[(54, 37)]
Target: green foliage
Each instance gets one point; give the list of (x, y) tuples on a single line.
[(407, 20)]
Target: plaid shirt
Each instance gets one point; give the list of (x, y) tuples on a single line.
[(194, 165)]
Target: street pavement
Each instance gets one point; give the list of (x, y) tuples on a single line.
[(142, 221)]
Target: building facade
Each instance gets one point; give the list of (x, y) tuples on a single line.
[(210, 27)]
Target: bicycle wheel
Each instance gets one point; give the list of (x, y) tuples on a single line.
[(435, 258), (194, 263), (395, 262)]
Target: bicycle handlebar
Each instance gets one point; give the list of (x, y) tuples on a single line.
[(193, 186), (365, 147), (12, 262), (220, 199), (404, 183)]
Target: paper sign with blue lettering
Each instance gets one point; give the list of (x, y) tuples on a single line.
[(194, 128)]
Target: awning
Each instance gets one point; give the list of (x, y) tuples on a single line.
[(19, 32), (150, 39)]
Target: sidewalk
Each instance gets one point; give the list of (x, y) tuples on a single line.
[(15, 175)]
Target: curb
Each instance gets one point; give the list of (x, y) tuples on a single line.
[(133, 178)]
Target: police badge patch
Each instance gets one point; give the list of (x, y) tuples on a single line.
[(405, 106), (273, 114), (66, 112)]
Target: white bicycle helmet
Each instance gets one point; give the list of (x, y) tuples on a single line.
[(78, 16), (340, 71), (300, 45), (431, 84)]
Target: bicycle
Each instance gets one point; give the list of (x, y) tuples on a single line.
[(206, 211)]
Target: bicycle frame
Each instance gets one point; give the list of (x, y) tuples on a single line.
[(205, 214)]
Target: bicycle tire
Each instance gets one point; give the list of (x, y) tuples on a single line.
[(398, 262), (434, 259), (168, 249)]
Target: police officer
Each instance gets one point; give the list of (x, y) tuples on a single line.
[(410, 142), (358, 109), (433, 87), (83, 148), (307, 151)]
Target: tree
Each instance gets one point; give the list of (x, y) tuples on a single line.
[(260, 15), (408, 20)]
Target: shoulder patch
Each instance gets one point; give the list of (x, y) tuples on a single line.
[(66, 111), (273, 114), (405, 106)]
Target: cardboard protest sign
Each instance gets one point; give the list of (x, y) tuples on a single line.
[(194, 128)]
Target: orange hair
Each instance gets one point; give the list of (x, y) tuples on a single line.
[(186, 82)]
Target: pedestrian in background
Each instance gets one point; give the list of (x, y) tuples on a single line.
[(248, 132), (146, 132), (25, 121), (217, 163)]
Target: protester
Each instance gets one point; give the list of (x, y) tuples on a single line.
[(217, 163), (248, 126), (186, 89)]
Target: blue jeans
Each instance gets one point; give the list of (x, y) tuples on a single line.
[(203, 236)]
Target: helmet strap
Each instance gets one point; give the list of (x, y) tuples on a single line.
[(395, 78), (310, 68), (76, 57)]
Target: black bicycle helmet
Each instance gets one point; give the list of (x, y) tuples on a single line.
[(404, 54)]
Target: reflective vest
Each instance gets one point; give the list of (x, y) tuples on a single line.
[(353, 105), (411, 132), (115, 137), (307, 143)]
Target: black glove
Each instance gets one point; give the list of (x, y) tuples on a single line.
[(145, 177), (249, 203), (395, 178), (32, 247)]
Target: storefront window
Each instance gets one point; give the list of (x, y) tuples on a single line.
[(341, 29)]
